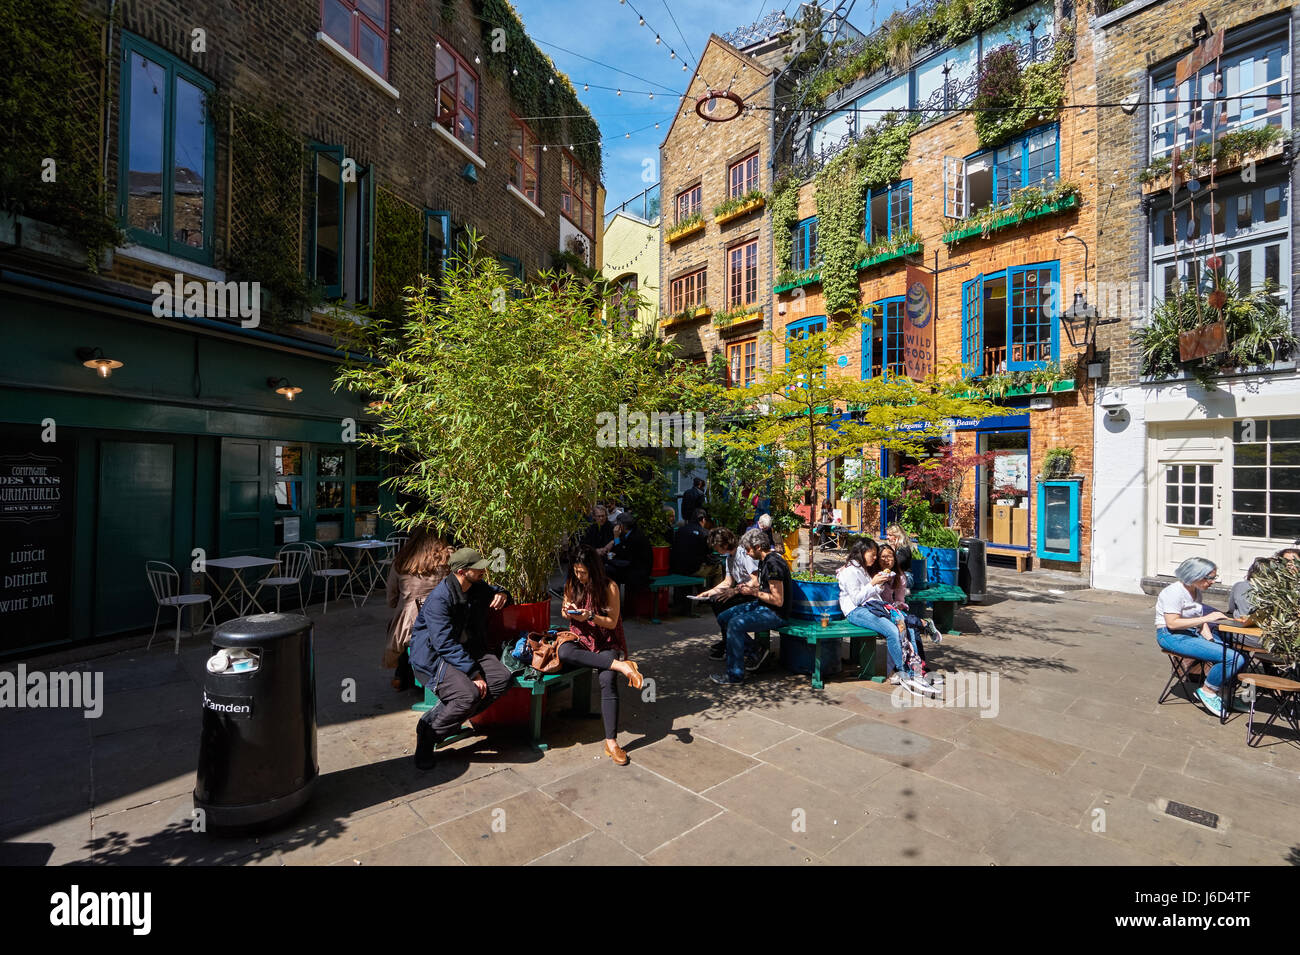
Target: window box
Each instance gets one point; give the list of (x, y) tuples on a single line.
[(703, 312), (682, 317), (686, 228), (738, 212), (798, 281), (1017, 391), (1156, 177), (737, 317), (883, 257), (1011, 219)]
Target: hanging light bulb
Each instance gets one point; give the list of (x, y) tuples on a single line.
[(640, 21), (619, 93), (656, 125), (585, 88), (476, 59), (652, 95), (514, 72), (551, 81), (672, 54), (627, 135), (657, 40)]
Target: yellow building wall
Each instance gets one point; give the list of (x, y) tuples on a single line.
[(631, 245)]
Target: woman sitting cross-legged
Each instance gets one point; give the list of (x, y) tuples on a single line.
[(1185, 625), (863, 585), (591, 607)]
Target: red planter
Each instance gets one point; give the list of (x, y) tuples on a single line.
[(660, 566), (512, 709), (641, 606), (506, 623)]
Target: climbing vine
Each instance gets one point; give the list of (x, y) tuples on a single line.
[(785, 216), (49, 110), (399, 242), (1009, 98), (536, 86), (873, 162)]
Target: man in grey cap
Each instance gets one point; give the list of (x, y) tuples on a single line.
[(450, 652)]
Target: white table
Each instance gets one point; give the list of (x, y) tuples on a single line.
[(362, 565), (236, 566)]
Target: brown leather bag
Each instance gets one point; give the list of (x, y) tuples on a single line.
[(546, 651)]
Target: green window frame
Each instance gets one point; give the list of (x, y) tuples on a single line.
[(437, 245), (352, 275), (172, 72)]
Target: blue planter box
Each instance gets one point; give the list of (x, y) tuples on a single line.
[(797, 656), (940, 564), (811, 600)]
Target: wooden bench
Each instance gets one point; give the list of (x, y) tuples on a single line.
[(670, 580), (579, 680), (862, 644), (1021, 556), (1284, 692)]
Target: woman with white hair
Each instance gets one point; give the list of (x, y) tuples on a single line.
[(1184, 625)]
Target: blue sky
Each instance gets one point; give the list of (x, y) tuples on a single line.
[(607, 31)]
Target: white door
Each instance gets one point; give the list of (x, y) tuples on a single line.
[(1187, 501)]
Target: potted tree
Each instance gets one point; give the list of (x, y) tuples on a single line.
[(1275, 597), (1058, 463), (494, 393)]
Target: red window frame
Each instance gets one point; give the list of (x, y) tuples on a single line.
[(689, 290), (689, 202), (742, 176), (577, 195), (742, 363), (527, 158), (742, 274), (451, 120), (358, 17)]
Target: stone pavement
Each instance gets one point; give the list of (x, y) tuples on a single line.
[(1074, 767)]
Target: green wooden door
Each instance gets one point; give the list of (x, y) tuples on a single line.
[(134, 524), (245, 499)]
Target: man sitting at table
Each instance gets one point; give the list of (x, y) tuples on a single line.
[(450, 652), (690, 554), (771, 599)]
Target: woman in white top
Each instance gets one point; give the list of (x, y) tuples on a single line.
[(1184, 625), (860, 583)]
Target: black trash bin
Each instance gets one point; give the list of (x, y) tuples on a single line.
[(972, 571), (257, 753)]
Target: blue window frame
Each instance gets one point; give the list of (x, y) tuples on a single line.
[(1057, 518), (805, 244), (166, 152), (882, 339), (1033, 159), (437, 245), (802, 329), (889, 211), (1026, 332)]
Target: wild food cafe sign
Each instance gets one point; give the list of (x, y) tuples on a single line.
[(35, 541)]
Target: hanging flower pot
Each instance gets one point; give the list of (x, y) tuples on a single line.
[(1217, 298)]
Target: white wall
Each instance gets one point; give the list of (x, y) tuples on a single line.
[(1119, 524)]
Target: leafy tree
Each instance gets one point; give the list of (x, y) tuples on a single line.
[(815, 417), (495, 394)]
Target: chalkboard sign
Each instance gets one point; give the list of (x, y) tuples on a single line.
[(36, 538)]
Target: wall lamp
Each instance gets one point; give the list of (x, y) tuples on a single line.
[(282, 387), (94, 358)]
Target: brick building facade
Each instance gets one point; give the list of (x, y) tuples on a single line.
[(341, 145), (1192, 471), (990, 288)]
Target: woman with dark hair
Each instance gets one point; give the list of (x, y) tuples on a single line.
[(591, 607), (864, 586), (419, 566), (1183, 625)]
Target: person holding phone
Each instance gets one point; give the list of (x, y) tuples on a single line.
[(591, 608), (864, 585), (741, 569), (1186, 625)]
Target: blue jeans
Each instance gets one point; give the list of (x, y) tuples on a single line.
[(864, 618), (1191, 644), (738, 623)]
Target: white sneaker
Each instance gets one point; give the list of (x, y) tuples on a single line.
[(895, 678), (920, 686)]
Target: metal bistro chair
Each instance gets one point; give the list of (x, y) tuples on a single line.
[(294, 561), (393, 538), (165, 583), (320, 568)]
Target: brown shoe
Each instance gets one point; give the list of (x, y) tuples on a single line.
[(635, 681), (616, 754)]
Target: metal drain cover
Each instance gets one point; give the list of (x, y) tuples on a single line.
[(1192, 814)]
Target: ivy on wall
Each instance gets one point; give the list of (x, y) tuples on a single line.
[(399, 244), (49, 110), (785, 216), (527, 73), (873, 162), (268, 167), (1010, 98)]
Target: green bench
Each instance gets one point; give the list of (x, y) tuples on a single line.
[(579, 680), (945, 598), (670, 580), (862, 644)]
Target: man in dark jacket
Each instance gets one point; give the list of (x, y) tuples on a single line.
[(691, 554), (693, 498), (449, 651)]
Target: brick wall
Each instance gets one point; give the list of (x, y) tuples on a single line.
[(267, 54), (694, 151), (1069, 422)]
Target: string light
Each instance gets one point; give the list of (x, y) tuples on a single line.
[(657, 39), (640, 21)]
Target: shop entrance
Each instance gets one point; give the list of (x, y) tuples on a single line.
[(1002, 507)]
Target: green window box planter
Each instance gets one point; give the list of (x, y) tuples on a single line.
[(798, 283), (884, 257), (1011, 219)]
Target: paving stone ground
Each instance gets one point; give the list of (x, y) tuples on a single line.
[(1072, 762)]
